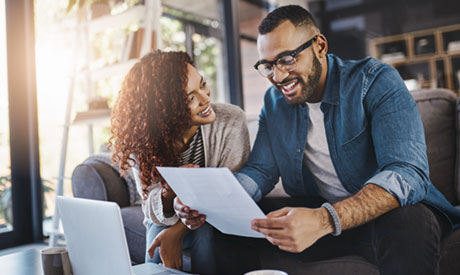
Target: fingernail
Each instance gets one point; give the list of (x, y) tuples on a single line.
[(202, 218)]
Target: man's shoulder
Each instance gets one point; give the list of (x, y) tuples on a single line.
[(361, 75), (368, 66)]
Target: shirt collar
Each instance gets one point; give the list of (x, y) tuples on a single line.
[(332, 88)]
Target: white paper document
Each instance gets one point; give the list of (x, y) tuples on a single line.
[(216, 193)]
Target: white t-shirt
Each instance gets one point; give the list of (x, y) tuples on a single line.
[(318, 159)]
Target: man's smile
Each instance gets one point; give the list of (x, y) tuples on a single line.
[(289, 88)]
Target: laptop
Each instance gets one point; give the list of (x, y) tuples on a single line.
[(96, 239)]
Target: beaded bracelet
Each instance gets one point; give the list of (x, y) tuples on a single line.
[(335, 218)]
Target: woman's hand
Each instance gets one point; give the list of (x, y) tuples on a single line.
[(170, 241), (189, 217)]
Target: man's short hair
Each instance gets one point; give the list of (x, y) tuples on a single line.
[(296, 14)]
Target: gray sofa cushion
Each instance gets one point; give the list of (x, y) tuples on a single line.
[(450, 252), (96, 180), (437, 108)]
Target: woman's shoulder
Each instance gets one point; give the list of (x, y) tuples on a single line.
[(228, 112)]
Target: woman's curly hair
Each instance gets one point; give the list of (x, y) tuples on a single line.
[(151, 114)]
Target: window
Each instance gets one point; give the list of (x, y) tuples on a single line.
[(6, 211), (254, 86)]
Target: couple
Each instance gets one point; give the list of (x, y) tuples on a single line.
[(346, 133)]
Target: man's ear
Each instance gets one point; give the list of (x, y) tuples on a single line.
[(322, 45)]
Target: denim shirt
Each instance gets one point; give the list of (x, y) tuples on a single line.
[(374, 134)]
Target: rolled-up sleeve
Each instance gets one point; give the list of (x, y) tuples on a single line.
[(396, 185), (152, 207), (399, 139)]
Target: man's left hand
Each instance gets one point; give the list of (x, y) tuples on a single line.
[(294, 229)]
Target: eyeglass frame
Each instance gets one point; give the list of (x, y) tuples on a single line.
[(293, 54)]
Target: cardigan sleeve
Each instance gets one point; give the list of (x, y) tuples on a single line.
[(152, 207)]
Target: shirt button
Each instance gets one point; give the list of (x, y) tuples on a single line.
[(298, 150)]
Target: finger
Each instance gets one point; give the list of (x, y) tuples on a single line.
[(273, 233), (278, 213), (279, 242), (272, 223), (193, 214), (179, 206), (197, 225), (194, 221), (156, 242)]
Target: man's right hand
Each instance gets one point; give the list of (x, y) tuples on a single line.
[(191, 218)]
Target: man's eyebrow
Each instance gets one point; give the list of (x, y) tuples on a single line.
[(192, 91)]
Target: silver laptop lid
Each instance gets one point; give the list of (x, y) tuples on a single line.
[(95, 236)]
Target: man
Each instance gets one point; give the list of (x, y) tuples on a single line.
[(350, 133)]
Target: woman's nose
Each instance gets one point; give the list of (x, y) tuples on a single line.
[(204, 96)]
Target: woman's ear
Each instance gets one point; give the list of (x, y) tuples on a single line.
[(321, 41)]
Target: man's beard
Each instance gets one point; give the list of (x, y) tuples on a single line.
[(309, 88)]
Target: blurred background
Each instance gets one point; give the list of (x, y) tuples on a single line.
[(76, 53)]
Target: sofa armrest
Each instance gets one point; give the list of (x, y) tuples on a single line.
[(94, 179)]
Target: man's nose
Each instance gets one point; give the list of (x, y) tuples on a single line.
[(279, 75)]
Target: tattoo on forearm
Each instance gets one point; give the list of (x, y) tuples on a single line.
[(368, 204)]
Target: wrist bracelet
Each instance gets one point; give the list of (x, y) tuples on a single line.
[(335, 218)]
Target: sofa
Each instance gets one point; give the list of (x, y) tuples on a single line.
[(97, 179)]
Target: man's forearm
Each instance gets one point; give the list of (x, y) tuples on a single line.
[(366, 205)]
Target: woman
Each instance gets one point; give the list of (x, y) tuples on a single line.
[(163, 117)]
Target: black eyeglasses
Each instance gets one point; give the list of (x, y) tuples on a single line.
[(285, 62)]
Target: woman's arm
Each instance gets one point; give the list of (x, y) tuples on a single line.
[(170, 241)]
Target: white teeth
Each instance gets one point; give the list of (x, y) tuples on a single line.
[(290, 85), (204, 111)]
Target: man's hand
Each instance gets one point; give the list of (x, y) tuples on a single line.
[(294, 229), (170, 241), (191, 218)]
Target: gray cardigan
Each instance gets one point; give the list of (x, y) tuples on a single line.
[(226, 144)]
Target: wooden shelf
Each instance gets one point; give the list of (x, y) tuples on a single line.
[(118, 20), (111, 70), (92, 116), (420, 50)]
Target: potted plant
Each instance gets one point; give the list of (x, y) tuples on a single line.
[(6, 202)]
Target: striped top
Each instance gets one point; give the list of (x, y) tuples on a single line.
[(194, 153)]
